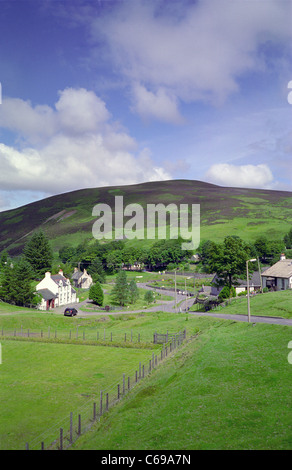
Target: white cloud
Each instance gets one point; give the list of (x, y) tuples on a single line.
[(72, 146), (194, 52), (241, 176), (158, 105)]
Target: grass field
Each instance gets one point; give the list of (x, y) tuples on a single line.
[(270, 304), (230, 389), (42, 383)]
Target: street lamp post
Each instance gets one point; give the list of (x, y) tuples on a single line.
[(247, 278)]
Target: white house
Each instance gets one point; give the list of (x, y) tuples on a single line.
[(279, 276), (81, 279), (56, 290)]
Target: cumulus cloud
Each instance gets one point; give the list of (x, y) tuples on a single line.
[(71, 146), (158, 105), (197, 52), (241, 176)]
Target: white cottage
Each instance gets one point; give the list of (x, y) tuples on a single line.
[(81, 279), (56, 290), (279, 276)]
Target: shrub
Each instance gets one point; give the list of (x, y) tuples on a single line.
[(227, 292), (96, 294)]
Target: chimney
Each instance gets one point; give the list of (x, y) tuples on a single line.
[(75, 270), (60, 272), (48, 275), (282, 257)]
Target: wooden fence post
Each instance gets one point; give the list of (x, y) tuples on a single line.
[(61, 439), (100, 405), (79, 425), (124, 384), (71, 427), (118, 391), (94, 411)]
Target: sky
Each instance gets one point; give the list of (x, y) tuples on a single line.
[(114, 92)]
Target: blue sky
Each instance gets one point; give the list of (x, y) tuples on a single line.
[(98, 93)]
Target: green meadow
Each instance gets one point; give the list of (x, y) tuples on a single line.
[(230, 389), (269, 304)]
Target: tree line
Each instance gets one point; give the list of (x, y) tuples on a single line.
[(100, 259), (17, 275)]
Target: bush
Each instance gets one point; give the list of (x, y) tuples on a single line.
[(96, 294), (227, 292), (149, 296)]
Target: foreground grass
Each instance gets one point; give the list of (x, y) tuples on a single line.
[(42, 383), (230, 389)]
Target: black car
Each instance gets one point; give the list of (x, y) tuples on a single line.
[(70, 312)]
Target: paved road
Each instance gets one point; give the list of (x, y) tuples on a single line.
[(169, 306), (253, 318)]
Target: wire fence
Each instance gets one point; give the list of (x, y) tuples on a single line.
[(130, 338), (66, 431)]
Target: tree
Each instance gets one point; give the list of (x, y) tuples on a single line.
[(207, 251), (288, 239), (227, 293), (95, 269), (262, 246), (120, 292), (149, 296), (96, 294), (133, 292), (67, 253), (229, 262), (37, 252), (16, 284)]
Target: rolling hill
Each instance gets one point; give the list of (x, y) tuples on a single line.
[(67, 218)]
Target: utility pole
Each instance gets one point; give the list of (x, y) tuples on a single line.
[(175, 290), (248, 293)]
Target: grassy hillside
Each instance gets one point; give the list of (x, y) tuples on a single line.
[(229, 389), (67, 218)]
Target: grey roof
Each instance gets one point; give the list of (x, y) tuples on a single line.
[(254, 280), (77, 275), (47, 294), (58, 277), (281, 269)]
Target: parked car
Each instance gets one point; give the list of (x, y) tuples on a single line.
[(70, 312)]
